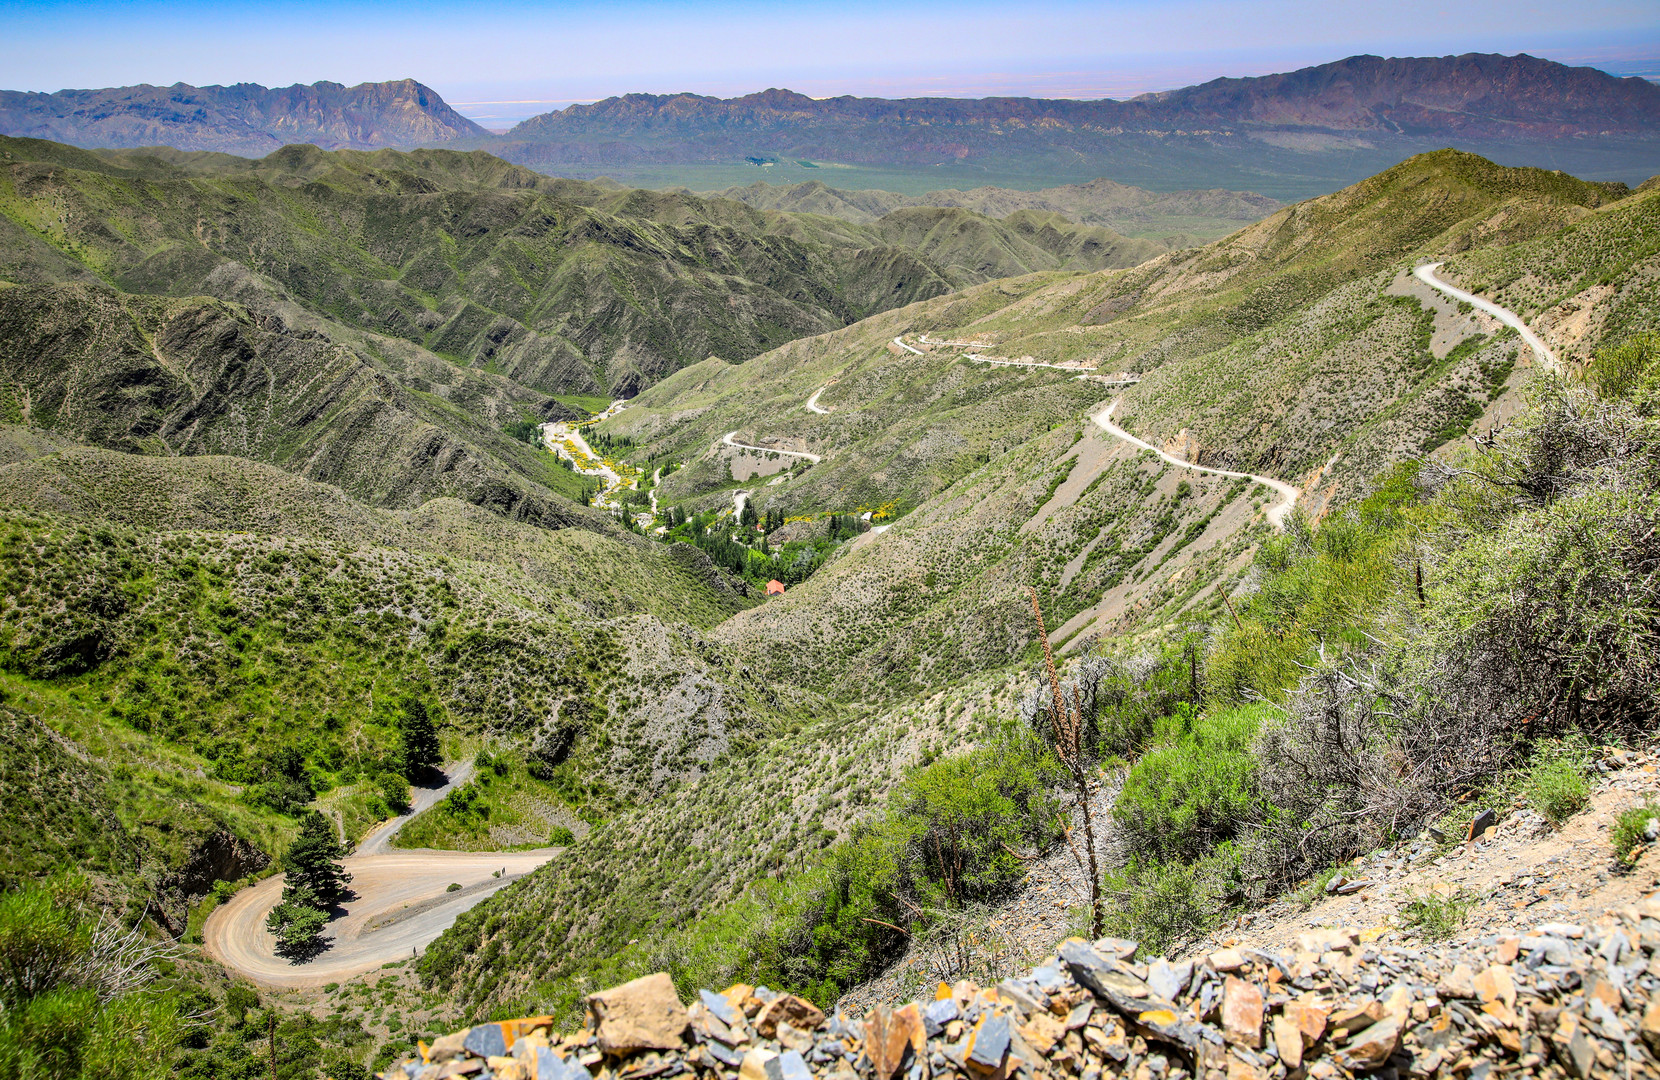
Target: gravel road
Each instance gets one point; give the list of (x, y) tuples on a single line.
[(402, 904), (1276, 513)]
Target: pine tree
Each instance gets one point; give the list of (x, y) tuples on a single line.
[(315, 876), (420, 741)]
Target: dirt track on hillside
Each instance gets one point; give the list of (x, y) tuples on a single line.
[(402, 904)]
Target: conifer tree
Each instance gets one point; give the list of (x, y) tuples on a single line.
[(420, 740), (315, 876)]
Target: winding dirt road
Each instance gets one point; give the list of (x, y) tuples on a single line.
[(728, 441), (814, 406), (1541, 351), (401, 905), (1276, 514)]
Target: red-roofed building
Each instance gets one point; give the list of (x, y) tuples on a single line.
[(775, 587)]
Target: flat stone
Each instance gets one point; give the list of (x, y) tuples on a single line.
[(447, 1047), (1600, 989), (1309, 1018), (1561, 930), (788, 1066), (792, 1038), (485, 1040), (1495, 984), (888, 1039), (1227, 960), (1649, 1029), (1373, 1046), (644, 1014), (546, 1065), (719, 1006), (1043, 1032), (1577, 1054), (1288, 1042), (724, 1054), (754, 1066), (1457, 983), (1327, 940), (1079, 1016), (1120, 948), (1242, 1013), (989, 1043), (939, 1013), (799, 1012), (1109, 980), (1507, 950), (1355, 1015), (1168, 980)]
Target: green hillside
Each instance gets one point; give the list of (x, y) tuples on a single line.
[(563, 286), (255, 531)]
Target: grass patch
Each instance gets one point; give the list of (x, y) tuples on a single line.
[(1630, 834), (1556, 784), (1436, 918)]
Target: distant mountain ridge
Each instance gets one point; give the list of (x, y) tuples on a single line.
[(246, 119), (1478, 94)]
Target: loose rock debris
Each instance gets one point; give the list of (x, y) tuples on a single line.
[(1563, 1000)]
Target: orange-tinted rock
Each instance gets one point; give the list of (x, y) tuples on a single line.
[(1242, 1012)]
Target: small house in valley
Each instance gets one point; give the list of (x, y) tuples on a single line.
[(775, 587)]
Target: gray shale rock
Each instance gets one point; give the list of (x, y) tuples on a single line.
[(1565, 1001)]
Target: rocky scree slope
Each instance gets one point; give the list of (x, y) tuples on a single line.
[(1565, 1000)]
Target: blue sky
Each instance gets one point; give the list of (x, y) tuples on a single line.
[(507, 60)]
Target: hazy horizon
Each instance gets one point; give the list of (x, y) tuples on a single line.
[(516, 59)]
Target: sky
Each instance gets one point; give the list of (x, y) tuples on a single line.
[(508, 60)]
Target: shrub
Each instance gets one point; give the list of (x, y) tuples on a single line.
[(75, 994), (561, 836), (298, 927), (1192, 793), (394, 789), (1556, 785), (1618, 371), (1166, 905), (1631, 831)]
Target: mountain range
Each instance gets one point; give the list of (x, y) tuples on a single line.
[(246, 119), (1289, 135)]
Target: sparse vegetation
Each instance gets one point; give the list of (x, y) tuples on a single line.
[(1435, 916), (1556, 785)]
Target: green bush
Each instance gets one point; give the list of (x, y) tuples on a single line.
[(1618, 371), (1166, 905), (561, 836), (394, 789), (1630, 829), (68, 1007), (1556, 785), (1190, 794)]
